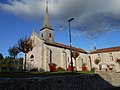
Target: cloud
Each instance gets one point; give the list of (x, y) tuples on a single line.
[(92, 17), (31, 9)]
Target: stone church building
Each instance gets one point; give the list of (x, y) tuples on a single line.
[(46, 50)]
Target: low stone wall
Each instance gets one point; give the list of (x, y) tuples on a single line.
[(71, 82), (111, 77)]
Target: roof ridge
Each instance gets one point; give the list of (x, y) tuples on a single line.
[(110, 49), (66, 46)]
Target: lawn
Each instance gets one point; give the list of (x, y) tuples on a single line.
[(38, 74)]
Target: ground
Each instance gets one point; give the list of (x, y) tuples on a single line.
[(38, 74)]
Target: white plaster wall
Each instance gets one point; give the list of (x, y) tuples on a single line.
[(56, 55), (37, 52), (61, 57), (93, 57)]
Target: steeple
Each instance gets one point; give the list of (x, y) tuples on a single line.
[(47, 33), (46, 23)]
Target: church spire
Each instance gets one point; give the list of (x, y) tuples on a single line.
[(47, 33), (46, 23)]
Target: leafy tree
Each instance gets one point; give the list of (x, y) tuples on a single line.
[(6, 64), (13, 51), (97, 61), (75, 54), (25, 45), (1, 56), (2, 64)]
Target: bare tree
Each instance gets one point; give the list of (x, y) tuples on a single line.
[(25, 45)]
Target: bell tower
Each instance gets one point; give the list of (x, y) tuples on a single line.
[(46, 32)]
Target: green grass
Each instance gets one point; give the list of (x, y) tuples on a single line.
[(38, 74)]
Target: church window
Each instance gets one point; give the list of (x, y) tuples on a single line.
[(99, 57), (50, 35), (50, 56), (68, 59), (42, 35), (31, 56), (111, 56), (82, 60)]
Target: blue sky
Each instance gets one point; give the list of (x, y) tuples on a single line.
[(92, 22)]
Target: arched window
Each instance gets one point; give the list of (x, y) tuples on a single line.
[(31, 56), (50, 35), (41, 34), (50, 56)]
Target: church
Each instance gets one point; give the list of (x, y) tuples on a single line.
[(46, 50)]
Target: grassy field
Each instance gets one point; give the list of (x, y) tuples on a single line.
[(38, 74)]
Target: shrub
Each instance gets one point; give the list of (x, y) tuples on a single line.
[(84, 64), (5, 65), (93, 69), (52, 64), (41, 70), (97, 61), (34, 69), (60, 69), (52, 67)]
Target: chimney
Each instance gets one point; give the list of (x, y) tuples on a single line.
[(91, 51), (95, 46)]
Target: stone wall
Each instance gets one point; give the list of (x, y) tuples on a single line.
[(105, 58), (71, 82), (110, 76)]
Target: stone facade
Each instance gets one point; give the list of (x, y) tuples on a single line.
[(107, 56), (44, 53)]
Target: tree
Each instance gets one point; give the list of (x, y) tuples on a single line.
[(25, 45), (118, 61), (90, 62), (97, 61), (13, 51), (75, 54), (6, 64), (1, 56)]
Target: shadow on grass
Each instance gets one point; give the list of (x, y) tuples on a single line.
[(38, 74), (59, 80)]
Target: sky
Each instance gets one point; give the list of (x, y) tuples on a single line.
[(96, 22)]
